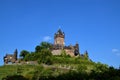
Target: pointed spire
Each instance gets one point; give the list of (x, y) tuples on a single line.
[(59, 31)]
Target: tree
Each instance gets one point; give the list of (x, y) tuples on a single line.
[(45, 57), (46, 45), (23, 53), (86, 55), (43, 45), (37, 49), (44, 51)]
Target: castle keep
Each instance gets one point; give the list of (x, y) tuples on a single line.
[(59, 45)]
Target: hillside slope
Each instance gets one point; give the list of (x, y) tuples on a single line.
[(59, 67)]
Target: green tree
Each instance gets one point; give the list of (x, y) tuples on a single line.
[(86, 55), (45, 57), (23, 53), (46, 45), (101, 67), (42, 53), (37, 49), (43, 45), (32, 56)]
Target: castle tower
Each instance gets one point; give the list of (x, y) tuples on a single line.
[(59, 38)]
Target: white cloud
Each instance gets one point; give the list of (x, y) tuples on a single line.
[(116, 51), (47, 38)]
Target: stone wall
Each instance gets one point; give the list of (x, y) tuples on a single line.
[(56, 52), (70, 52)]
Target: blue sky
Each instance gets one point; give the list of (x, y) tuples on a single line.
[(94, 24)]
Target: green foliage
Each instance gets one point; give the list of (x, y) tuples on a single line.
[(99, 67), (23, 53), (11, 70), (63, 67), (42, 54), (32, 56), (38, 72), (37, 49), (80, 74), (45, 57), (70, 60), (64, 54), (43, 45), (86, 56), (81, 68), (41, 73), (19, 70)]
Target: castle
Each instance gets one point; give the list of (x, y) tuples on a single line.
[(57, 48), (59, 45)]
